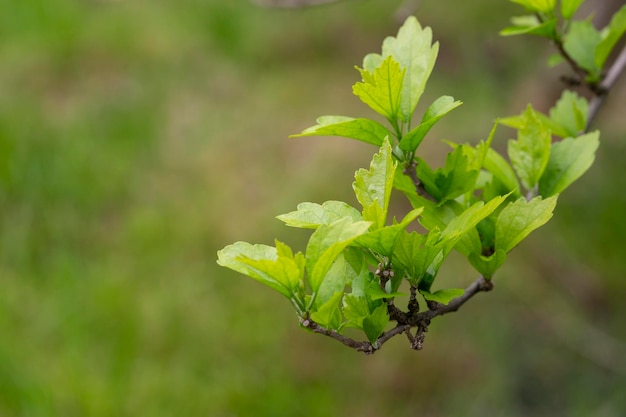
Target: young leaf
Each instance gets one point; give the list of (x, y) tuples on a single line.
[(487, 265), (530, 153), (355, 310), (365, 130), (383, 240), (281, 272), (569, 7), (580, 43), (328, 315), (413, 51), (348, 266), (569, 159), (373, 188), (440, 107), (501, 170), (530, 25), (616, 30), (312, 215), (325, 245), (540, 6), (416, 257), (375, 323), (453, 180), (381, 90), (570, 112), (443, 296), (519, 219)]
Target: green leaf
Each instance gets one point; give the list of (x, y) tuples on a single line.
[(580, 43), (329, 315), (454, 179), (541, 6), (570, 112), (325, 245), (501, 170), (279, 270), (569, 159), (443, 296), (413, 51), (365, 130), (530, 153), (530, 25), (313, 215), (440, 107), (616, 29), (416, 257), (355, 310), (373, 188), (381, 90), (519, 219), (348, 266), (569, 7), (487, 265), (375, 323), (383, 240)]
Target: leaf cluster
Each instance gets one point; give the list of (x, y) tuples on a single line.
[(358, 264)]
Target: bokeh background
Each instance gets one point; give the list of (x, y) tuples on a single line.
[(139, 137)]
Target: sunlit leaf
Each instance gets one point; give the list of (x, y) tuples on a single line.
[(365, 130), (373, 186), (530, 153), (412, 49), (541, 6), (570, 112), (569, 159), (569, 7), (580, 43), (440, 107), (519, 219), (381, 90), (443, 296), (487, 265), (325, 245), (383, 240), (329, 315), (313, 215)]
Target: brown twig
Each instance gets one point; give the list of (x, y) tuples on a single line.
[(405, 321), (410, 170)]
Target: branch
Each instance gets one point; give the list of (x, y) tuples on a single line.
[(405, 321), (411, 171), (605, 86)]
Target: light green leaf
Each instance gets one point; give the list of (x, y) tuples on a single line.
[(580, 43), (555, 59), (375, 323), (541, 6), (261, 262), (355, 309), (443, 296), (440, 107), (569, 159), (416, 257), (329, 315), (325, 245), (530, 25), (530, 153), (365, 130), (466, 221), (373, 187), (348, 266), (313, 215), (487, 265), (501, 169), (518, 122), (569, 7), (454, 179), (381, 90), (519, 219), (616, 29), (570, 112), (413, 51), (383, 240)]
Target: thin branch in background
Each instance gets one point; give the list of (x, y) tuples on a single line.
[(605, 86)]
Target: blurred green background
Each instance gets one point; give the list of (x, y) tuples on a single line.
[(139, 137)]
